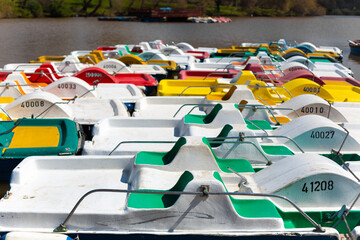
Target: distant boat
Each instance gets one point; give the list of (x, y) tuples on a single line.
[(131, 18), (354, 46)]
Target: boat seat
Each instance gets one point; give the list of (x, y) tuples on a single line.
[(160, 158), (280, 119), (346, 157), (151, 200), (261, 123), (251, 208), (203, 119), (276, 150), (163, 158), (217, 97), (224, 133), (238, 165)]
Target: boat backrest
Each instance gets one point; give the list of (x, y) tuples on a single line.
[(250, 207), (151, 200)]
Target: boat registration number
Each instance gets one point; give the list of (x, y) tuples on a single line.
[(90, 74), (322, 134), (318, 186), (311, 89), (67, 86), (31, 104), (312, 110)]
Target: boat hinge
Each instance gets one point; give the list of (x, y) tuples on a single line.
[(205, 190)]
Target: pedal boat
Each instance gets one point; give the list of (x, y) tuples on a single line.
[(37, 137), (46, 105), (170, 195)]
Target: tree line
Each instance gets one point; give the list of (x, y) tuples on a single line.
[(70, 8)]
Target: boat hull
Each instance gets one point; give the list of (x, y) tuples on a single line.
[(354, 47), (253, 236)]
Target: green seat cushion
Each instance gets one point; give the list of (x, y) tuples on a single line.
[(238, 165), (160, 158), (251, 208), (153, 200), (224, 133), (261, 123), (203, 119), (346, 157), (276, 150)]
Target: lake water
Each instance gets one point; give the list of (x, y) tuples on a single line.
[(22, 40), (26, 39)]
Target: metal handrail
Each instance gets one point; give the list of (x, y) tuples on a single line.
[(5, 76), (266, 74), (214, 141), (68, 63), (271, 108), (330, 107), (211, 87), (269, 162), (338, 154), (267, 108), (20, 85), (192, 104), (274, 136), (53, 104), (45, 74), (6, 113), (258, 127), (215, 73), (274, 88), (264, 101), (203, 193), (125, 142), (346, 136), (267, 86), (22, 65)]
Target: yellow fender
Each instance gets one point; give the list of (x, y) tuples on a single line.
[(43, 59), (221, 97), (93, 57), (99, 56), (344, 93), (292, 50), (171, 87), (302, 86), (267, 94), (131, 59), (245, 77), (166, 64)]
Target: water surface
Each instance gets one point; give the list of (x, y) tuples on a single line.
[(26, 39), (23, 40)]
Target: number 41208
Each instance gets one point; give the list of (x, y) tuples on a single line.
[(318, 186)]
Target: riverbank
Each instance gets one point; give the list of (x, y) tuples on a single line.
[(230, 8)]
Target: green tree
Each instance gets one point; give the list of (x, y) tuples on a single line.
[(7, 8), (35, 8), (57, 8)]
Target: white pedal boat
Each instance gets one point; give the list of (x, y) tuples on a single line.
[(264, 142), (178, 107), (182, 61), (111, 132), (116, 66), (45, 190), (307, 104), (46, 105), (318, 70), (16, 85), (320, 66)]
